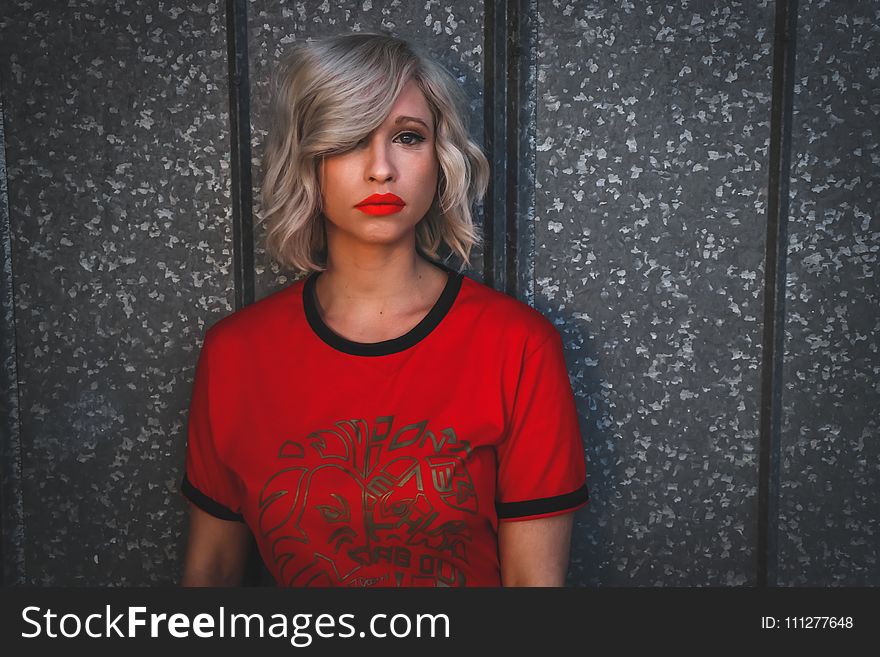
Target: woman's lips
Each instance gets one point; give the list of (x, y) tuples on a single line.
[(381, 204), (380, 209)]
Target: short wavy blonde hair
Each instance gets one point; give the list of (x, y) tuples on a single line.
[(327, 95)]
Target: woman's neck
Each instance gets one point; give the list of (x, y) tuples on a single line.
[(378, 290)]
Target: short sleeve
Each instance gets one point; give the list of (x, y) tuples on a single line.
[(208, 482), (541, 467)]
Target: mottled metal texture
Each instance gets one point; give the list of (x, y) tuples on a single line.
[(452, 32), (829, 508), (117, 161), (652, 152), (11, 504), (528, 118)]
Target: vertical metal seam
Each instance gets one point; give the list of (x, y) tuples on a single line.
[(240, 152), (242, 198), (489, 111), (774, 291), (13, 563), (506, 57), (526, 190), (511, 144)]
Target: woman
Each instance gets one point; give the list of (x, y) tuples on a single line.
[(386, 421)]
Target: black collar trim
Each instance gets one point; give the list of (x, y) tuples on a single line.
[(419, 332)]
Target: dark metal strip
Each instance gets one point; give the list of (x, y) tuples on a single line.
[(507, 76), (525, 139), (774, 291), (12, 554), (493, 70), (240, 156), (511, 146)]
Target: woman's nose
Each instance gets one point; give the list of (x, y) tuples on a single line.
[(379, 164)]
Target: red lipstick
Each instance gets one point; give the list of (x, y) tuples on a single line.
[(381, 204)]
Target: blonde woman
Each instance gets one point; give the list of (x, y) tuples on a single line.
[(386, 420)]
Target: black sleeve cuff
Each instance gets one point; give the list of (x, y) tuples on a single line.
[(207, 504), (543, 505)]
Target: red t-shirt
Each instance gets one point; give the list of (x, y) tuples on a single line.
[(389, 463)]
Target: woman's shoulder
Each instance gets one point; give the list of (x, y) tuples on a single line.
[(259, 319), (502, 315)]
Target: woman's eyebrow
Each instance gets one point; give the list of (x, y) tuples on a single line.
[(402, 119)]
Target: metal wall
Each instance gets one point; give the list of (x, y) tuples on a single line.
[(632, 153), (651, 158), (829, 485), (117, 166)]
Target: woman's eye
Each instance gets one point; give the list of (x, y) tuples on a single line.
[(406, 138), (411, 138)]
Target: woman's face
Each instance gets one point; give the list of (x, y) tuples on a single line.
[(397, 158)]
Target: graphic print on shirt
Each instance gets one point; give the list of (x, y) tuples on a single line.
[(356, 505)]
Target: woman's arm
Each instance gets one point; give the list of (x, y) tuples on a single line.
[(535, 552), (216, 551)]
